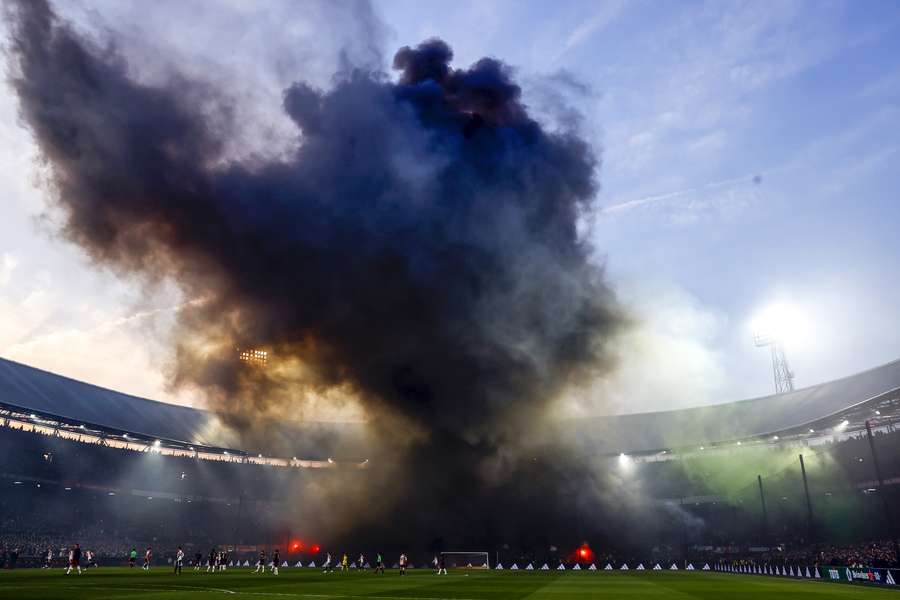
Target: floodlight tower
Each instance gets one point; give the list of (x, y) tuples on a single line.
[(784, 377)]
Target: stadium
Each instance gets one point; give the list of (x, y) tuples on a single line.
[(140, 474), (297, 299)]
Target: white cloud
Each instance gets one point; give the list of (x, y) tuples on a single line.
[(119, 351), (8, 264), (668, 360), (696, 81)]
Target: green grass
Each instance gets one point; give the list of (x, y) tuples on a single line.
[(312, 584)]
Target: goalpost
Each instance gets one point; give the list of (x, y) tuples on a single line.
[(468, 560)]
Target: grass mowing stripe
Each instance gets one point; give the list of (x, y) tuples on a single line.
[(155, 589), (311, 584)]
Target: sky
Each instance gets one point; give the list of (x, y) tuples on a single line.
[(749, 157)]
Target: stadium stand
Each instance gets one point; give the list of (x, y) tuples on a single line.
[(74, 467)]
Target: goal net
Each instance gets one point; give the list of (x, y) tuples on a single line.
[(466, 560)]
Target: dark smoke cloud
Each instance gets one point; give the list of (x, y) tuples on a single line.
[(417, 255)]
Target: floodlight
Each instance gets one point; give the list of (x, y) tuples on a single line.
[(779, 322), (773, 327), (255, 357)]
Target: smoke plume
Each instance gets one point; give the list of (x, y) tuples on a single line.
[(415, 258)]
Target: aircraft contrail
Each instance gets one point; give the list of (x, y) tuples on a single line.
[(620, 207)]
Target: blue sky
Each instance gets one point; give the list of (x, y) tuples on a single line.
[(687, 102)]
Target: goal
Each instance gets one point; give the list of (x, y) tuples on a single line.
[(466, 560)]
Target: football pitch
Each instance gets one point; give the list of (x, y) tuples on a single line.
[(312, 584)]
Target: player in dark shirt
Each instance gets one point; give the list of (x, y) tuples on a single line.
[(179, 560)]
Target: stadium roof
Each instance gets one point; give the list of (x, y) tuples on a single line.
[(816, 407), (33, 390), (30, 390), (51, 395)]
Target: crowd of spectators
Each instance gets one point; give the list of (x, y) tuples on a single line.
[(28, 543), (879, 553), (869, 554)]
